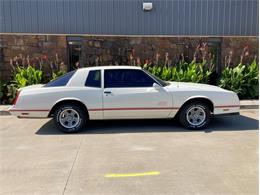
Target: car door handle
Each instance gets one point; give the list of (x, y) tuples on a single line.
[(107, 92)]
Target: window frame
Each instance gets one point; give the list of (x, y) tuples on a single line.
[(154, 81), (159, 81)]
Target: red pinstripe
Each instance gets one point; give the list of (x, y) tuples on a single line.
[(14, 110), (137, 108)]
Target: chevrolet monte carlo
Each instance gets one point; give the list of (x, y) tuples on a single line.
[(121, 92)]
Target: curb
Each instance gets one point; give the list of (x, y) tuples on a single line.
[(243, 107), (249, 104), (4, 113), (4, 110), (244, 104)]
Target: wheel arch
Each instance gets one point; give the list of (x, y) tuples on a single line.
[(203, 99), (68, 101)]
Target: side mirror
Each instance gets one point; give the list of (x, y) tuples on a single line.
[(156, 86)]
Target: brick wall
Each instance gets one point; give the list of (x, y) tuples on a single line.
[(135, 50), (233, 47), (36, 46), (164, 50), (125, 50)]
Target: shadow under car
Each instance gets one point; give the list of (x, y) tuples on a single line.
[(219, 123)]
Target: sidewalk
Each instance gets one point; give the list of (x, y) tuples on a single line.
[(4, 110), (244, 104)]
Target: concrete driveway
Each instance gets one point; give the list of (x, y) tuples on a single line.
[(130, 157)]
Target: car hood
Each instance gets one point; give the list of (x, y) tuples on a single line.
[(183, 86)]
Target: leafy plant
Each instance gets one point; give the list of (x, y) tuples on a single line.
[(233, 79), (241, 79), (8, 92), (166, 74), (47, 64), (27, 76), (251, 80), (193, 72), (11, 92)]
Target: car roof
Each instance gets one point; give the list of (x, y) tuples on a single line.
[(111, 67)]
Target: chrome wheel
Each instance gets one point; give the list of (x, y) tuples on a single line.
[(195, 115), (69, 118)]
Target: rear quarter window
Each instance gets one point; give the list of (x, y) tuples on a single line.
[(61, 81), (93, 79)]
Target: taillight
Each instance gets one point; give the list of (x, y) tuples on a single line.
[(16, 97)]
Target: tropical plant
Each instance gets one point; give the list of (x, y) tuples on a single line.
[(242, 79), (11, 91), (8, 92), (27, 76), (233, 79), (251, 80), (185, 72)]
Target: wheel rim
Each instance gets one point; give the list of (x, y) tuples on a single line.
[(196, 115), (69, 118)]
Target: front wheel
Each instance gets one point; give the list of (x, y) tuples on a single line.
[(195, 115), (70, 118)]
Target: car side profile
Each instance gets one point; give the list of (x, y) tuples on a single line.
[(121, 92)]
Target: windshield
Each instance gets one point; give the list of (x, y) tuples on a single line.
[(161, 82)]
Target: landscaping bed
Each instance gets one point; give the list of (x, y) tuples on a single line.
[(242, 79)]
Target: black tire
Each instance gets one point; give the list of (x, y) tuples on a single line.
[(82, 118), (183, 118)]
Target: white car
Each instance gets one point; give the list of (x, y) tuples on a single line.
[(121, 92)]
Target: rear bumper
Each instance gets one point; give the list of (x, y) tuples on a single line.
[(28, 113)]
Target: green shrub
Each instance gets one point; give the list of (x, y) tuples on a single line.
[(22, 77), (251, 80), (27, 76), (233, 79), (11, 90), (7, 92), (242, 79), (184, 72)]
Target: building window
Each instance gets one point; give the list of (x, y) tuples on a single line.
[(74, 52), (215, 49)]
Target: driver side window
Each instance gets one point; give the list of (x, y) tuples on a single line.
[(122, 78)]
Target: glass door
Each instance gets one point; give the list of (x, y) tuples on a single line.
[(74, 52)]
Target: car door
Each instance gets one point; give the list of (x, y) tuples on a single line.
[(93, 94), (129, 93)]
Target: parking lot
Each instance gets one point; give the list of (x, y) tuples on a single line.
[(130, 157)]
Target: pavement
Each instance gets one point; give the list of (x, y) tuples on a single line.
[(146, 157)]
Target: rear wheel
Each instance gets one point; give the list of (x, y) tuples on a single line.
[(195, 115), (70, 118)]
